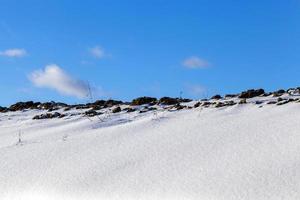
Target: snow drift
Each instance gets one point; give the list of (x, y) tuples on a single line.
[(239, 152)]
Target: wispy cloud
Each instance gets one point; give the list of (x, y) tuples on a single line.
[(97, 52), (195, 62), (54, 77), (195, 90), (13, 53)]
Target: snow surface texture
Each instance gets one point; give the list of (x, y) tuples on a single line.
[(229, 153)]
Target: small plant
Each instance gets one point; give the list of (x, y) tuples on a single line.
[(65, 137), (19, 138)]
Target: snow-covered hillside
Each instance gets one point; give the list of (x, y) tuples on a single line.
[(238, 152)]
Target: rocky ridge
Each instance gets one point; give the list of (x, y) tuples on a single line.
[(146, 104)]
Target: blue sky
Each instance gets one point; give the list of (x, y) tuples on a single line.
[(51, 49)]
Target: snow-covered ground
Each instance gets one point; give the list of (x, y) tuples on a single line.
[(239, 152)]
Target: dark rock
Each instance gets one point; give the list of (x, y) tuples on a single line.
[(179, 107), (169, 101), (219, 104), (251, 93), (230, 103), (51, 105), (49, 116), (3, 109), (99, 103), (206, 104), (129, 109), (82, 106), (111, 103), (285, 101), (23, 105), (293, 91), (197, 104), (280, 99), (258, 102), (243, 101), (53, 109), (91, 113), (267, 94), (67, 108), (282, 102), (152, 108), (225, 103), (116, 110), (272, 102), (143, 100), (181, 100), (46, 105), (147, 109), (216, 97), (278, 93)]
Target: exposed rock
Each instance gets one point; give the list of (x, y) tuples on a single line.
[(230, 103), (168, 101), (91, 113), (278, 93), (143, 100), (99, 103), (179, 106), (280, 99), (225, 103), (251, 93), (267, 94), (197, 104), (294, 91), (216, 97), (147, 109), (67, 108), (111, 103), (129, 109), (151, 108), (285, 101), (53, 109), (51, 105), (116, 110), (3, 109), (258, 102), (82, 106), (49, 116), (243, 101), (24, 105), (219, 104), (282, 102), (181, 100), (206, 104)]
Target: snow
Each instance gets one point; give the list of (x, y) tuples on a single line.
[(237, 152)]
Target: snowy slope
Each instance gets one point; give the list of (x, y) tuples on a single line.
[(229, 153)]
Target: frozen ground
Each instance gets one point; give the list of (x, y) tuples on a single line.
[(231, 153)]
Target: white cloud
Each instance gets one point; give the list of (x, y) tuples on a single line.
[(54, 77), (195, 62), (13, 53), (97, 52)]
